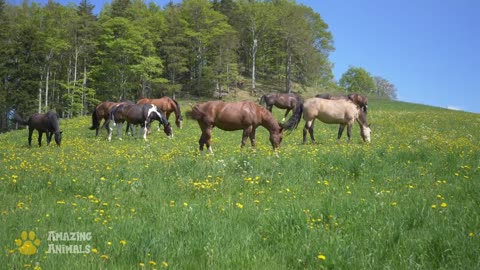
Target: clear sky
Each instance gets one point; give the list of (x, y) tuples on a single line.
[(429, 49)]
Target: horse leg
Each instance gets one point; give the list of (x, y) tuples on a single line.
[(49, 137), (340, 131), (30, 133), (205, 139), (349, 131), (40, 138), (252, 138), (270, 107), (308, 128), (119, 130), (245, 135)]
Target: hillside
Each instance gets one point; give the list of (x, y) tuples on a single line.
[(408, 200)]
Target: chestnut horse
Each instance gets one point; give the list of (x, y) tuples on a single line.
[(166, 105), (43, 123), (284, 101), (135, 114), (338, 111), (102, 111), (229, 116), (361, 101)]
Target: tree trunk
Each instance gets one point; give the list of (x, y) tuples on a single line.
[(288, 73), (46, 87), (254, 54)]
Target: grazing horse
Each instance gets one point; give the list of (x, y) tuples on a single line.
[(102, 111), (166, 105), (339, 111), (43, 123), (361, 101), (286, 101), (136, 114), (229, 116)]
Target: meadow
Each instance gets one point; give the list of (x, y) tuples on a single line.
[(408, 200)]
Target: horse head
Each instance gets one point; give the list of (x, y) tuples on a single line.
[(276, 137), (365, 132), (58, 137)]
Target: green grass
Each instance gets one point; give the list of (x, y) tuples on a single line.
[(408, 200)]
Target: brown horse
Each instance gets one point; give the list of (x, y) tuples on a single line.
[(231, 116), (361, 101), (102, 111), (166, 105), (338, 111), (43, 123), (283, 101), (135, 114)]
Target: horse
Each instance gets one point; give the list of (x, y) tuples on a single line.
[(102, 111), (230, 116), (361, 101), (286, 101), (142, 114), (338, 111), (167, 105), (43, 123)]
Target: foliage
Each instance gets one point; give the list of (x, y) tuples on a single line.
[(62, 57), (412, 193), (384, 88), (357, 80)]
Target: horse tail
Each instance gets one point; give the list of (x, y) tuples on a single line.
[(195, 113), (292, 123), (95, 121), (20, 120)]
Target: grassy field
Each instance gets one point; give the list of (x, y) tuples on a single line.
[(408, 200)]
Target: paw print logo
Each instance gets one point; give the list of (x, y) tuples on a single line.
[(28, 243)]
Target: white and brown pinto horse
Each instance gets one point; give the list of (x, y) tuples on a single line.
[(135, 114), (338, 111), (230, 116)]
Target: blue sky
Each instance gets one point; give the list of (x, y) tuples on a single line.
[(428, 48)]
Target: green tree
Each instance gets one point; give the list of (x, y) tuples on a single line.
[(357, 80), (384, 88)]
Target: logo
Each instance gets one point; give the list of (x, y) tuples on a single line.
[(28, 243)]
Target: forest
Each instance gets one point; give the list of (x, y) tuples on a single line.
[(68, 59)]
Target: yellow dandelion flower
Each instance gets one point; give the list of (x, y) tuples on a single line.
[(239, 205), (141, 264), (152, 263), (94, 250), (165, 264), (109, 243), (471, 234), (394, 203), (123, 242), (434, 206), (105, 257), (443, 205), (321, 257)]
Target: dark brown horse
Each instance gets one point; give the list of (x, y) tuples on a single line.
[(43, 123), (361, 101), (135, 114), (283, 101), (166, 105), (338, 111), (229, 116), (102, 111)]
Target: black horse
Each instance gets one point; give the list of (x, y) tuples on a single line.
[(135, 114), (43, 123)]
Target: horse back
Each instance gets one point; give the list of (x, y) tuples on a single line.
[(338, 111)]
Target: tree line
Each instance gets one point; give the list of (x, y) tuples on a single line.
[(68, 59)]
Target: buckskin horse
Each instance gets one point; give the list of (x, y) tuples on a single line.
[(166, 105), (43, 123), (361, 101), (282, 101), (135, 114), (338, 111), (230, 116)]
